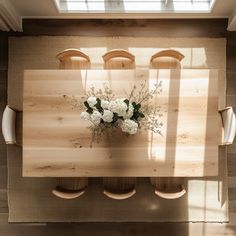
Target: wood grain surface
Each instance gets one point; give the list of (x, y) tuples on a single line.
[(56, 142)]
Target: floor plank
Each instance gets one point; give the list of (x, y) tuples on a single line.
[(3, 201), (127, 27)]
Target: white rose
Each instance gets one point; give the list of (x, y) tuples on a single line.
[(96, 117), (107, 116), (92, 101), (104, 104), (118, 106), (129, 126), (85, 115), (130, 112)]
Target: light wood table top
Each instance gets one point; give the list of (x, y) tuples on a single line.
[(56, 142)]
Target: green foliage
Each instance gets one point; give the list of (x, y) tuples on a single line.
[(86, 104), (98, 105), (90, 110)]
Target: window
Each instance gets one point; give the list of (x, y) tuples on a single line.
[(134, 6)]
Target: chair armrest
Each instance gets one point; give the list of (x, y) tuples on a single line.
[(8, 125), (229, 125)]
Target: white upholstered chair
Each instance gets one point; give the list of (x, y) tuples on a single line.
[(12, 126), (229, 125), (73, 59)]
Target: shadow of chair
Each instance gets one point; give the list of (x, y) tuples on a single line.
[(119, 188), (229, 125), (167, 187), (68, 187), (12, 126), (73, 59)]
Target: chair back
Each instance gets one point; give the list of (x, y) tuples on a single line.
[(166, 59), (119, 59), (73, 59)]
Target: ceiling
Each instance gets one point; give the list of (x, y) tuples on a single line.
[(47, 9)]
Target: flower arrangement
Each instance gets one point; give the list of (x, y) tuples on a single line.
[(130, 114), (119, 112)]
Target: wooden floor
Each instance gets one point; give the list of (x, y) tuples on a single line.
[(164, 28)]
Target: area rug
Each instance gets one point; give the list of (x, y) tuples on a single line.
[(30, 199), (40, 53)]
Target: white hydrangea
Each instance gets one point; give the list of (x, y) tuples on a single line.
[(118, 106), (96, 117), (107, 116), (85, 115), (129, 126), (130, 112), (92, 101), (104, 104)]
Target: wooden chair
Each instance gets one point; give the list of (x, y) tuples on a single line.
[(70, 188), (119, 188), (73, 59), (169, 187), (12, 126), (229, 125), (119, 59), (166, 59)]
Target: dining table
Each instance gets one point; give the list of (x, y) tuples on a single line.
[(57, 142)]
